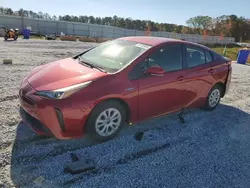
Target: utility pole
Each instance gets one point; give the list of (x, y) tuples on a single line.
[(22, 21)]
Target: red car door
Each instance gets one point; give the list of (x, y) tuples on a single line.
[(166, 93), (198, 76)]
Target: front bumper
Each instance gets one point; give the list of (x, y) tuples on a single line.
[(60, 119), (34, 123)]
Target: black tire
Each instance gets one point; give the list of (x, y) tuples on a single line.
[(90, 127), (15, 37), (215, 89), (6, 37)]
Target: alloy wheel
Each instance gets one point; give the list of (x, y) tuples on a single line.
[(108, 122), (214, 98)]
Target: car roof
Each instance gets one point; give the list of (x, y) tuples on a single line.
[(154, 41)]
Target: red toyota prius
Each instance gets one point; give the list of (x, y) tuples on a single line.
[(125, 80)]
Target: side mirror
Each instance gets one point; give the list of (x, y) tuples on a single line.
[(155, 70)]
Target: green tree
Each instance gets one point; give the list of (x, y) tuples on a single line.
[(9, 11), (200, 22)]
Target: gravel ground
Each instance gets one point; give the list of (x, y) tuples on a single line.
[(211, 149)]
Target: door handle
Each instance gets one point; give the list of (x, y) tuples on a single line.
[(211, 70), (180, 78)]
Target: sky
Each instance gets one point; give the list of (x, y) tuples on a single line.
[(163, 11)]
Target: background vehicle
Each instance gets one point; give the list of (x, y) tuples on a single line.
[(125, 80), (50, 36), (11, 33)]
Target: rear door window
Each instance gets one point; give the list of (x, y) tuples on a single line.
[(195, 56)]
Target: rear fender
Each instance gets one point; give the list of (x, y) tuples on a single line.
[(228, 80)]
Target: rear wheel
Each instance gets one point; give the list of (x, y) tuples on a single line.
[(15, 37), (106, 120), (213, 98)]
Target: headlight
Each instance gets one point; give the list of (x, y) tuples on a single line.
[(64, 92)]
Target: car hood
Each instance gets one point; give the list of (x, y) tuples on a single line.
[(60, 74)]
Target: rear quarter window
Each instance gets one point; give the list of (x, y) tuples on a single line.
[(209, 57), (217, 57)]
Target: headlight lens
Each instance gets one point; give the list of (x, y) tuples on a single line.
[(63, 92)]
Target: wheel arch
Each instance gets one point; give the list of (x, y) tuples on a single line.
[(119, 100), (125, 105), (222, 86)]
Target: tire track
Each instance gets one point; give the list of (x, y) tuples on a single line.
[(61, 148), (126, 159), (9, 98)]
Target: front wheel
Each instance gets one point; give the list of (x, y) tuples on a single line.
[(6, 36), (213, 98), (106, 120)]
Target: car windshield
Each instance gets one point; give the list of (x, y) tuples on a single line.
[(114, 55)]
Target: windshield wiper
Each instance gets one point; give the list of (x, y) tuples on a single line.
[(84, 63), (91, 65), (99, 68)]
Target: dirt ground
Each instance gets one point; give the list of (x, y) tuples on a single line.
[(211, 149)]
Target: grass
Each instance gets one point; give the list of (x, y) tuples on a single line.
[(230, 53)]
